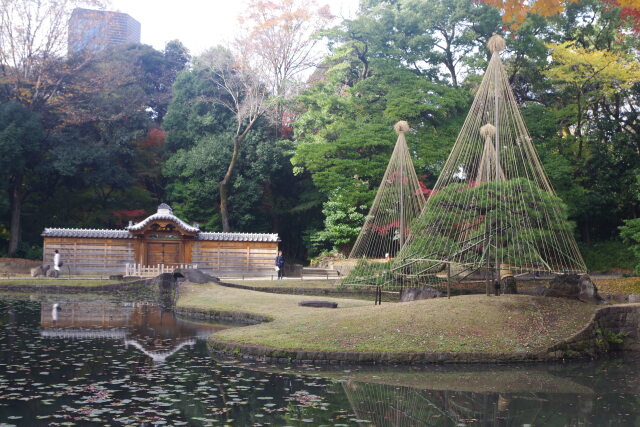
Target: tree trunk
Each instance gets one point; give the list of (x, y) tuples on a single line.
[(579, 127), (449, 62), (224, 185), (16, 213)]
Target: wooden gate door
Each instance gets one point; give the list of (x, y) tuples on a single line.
[(164, 253)]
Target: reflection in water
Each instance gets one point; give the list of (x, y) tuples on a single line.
[(386, 405), (496, 396), (159, 356), (54, 312), (395, 406), (605, 392), (155, 332), (94, 365)]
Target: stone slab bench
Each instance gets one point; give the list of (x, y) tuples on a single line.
[(321, 304)]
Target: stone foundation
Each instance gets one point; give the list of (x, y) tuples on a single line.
[(611, 328), (17, 265)]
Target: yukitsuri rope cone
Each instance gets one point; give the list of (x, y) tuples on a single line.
[(397, 204), (492, 212)]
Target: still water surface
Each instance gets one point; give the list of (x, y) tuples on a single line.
[(100, 362)]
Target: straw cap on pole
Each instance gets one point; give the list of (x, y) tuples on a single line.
[(496, 43), (488, 130), (401, 127)]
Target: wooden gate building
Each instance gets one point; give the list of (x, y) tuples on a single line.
[(161, 239)]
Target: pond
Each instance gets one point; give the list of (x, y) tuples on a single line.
[(95, 361)]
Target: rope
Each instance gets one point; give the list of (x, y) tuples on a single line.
[(492, 207), (398, 202)]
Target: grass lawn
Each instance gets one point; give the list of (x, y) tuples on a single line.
[(472, 323), (622, 285), (275, 306)]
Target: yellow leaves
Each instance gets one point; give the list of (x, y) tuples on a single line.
[(582, 68), (631, 4), (623, 285)]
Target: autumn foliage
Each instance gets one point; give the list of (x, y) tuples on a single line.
[(629, 11), (514, 12)]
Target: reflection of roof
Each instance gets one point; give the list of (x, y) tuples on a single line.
[(84, 333), (159, 356), (116, 334)]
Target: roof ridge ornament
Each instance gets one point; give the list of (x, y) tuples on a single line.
[(165, 209)]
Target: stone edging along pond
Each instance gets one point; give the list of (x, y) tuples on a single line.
[(299, 291), (234, 316), (610, 328)]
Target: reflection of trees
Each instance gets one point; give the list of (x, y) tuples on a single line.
[(385, 405), (391, 405)]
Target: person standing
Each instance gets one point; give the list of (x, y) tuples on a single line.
[(57, 263), (280, 264)]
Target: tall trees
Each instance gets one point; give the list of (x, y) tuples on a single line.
[(450, 33), (399, 59), (339, 130), (264, 196), (592, 76), (280, 42), (252, 78), (32, 42), (96, 130), (21, 137), (32, 68), (383, 68), (238, 88), (117, 102)]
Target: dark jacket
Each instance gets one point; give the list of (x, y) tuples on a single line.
[(280, 261)]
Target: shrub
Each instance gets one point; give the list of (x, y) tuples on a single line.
[(609, 255), (630, 233)]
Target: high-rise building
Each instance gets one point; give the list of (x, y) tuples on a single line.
[(95, 30)]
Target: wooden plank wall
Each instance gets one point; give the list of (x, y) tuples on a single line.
[(110, 256), (90, 256), (233, 258)]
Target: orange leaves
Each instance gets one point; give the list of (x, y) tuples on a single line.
[(155, 138), (514, 12)]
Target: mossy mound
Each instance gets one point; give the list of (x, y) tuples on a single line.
[(472, 324)]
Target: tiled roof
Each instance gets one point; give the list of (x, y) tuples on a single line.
[(124, 234), (162, 216), (87, 233), (239, 237)]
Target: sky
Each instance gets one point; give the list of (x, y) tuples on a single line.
[(198, 24)]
